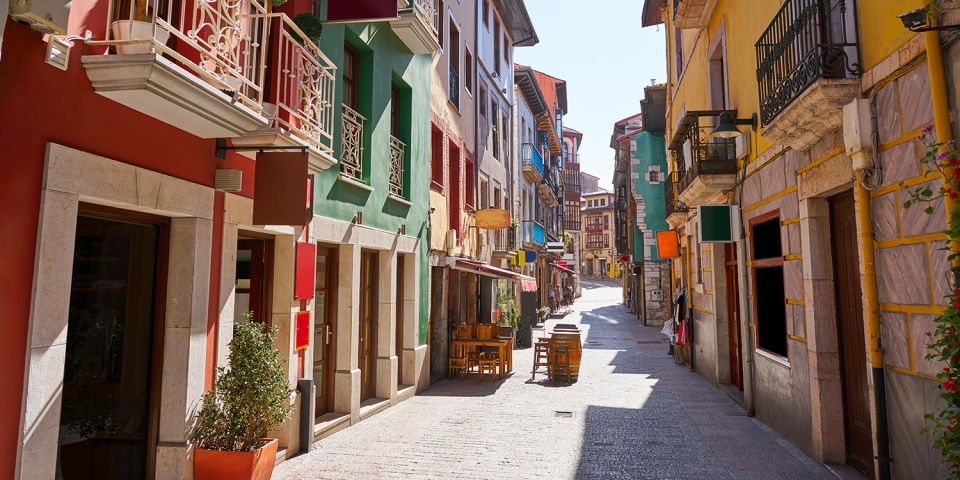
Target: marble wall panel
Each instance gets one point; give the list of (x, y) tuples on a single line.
[(916, 221), (899, 163), (921, 329), (896, 349), (902, 276), (915, 99), (885, 222), (888, 113), (940, 269)]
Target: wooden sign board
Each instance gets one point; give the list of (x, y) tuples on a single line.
[(492, 219), (719, 223)]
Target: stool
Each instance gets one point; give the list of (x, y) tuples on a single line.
[(486, 365), (458, 365), (541, 358)]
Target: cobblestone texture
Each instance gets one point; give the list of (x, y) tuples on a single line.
[(635, 415)]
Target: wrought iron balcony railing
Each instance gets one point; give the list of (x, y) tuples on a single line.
[(424, 10), (806, 41), (697, 153), (351, 144), (305, 80), (671, 202), (220, 41), (454, 85), (532, 232), (395, 178)]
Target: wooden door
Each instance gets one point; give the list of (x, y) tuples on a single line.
[(733, 317), (325, 329), (368, 325), (853, 366), (253, 275)]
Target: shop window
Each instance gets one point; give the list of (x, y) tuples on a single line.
[(470, 185), (769, 296)]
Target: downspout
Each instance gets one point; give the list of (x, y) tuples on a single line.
[(871, 308), (745, 319)]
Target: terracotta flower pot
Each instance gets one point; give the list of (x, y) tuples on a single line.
[(222, 465)]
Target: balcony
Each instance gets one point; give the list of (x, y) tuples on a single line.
[(706, 166), (351, 144), (676, 210), (417, 25), (301, 107), (209, 84), (532, 234), (692, 13), (532, 163), (808, 69), (395, 179)]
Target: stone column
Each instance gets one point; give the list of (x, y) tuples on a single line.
[(826, 404), (386, 381), (347, 377)]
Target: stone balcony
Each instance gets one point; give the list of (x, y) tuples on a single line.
[(693, 13)]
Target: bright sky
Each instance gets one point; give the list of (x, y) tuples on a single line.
[(599, 48)]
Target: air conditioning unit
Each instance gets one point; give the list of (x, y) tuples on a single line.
[(742, 143), (858, 132), (47, 16), (451, 241)]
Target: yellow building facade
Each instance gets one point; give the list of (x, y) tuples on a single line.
[(815, 315)]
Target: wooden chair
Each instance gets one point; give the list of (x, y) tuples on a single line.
[(457, 365), (488, 364), (541, 357)]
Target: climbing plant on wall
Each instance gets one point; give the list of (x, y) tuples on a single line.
[(943, 158)]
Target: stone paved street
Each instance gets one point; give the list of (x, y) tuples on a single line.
[(635, 415)]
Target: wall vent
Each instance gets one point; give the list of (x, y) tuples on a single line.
[(58, 52), (228, 180)]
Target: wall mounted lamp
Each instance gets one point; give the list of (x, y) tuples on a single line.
[(727, 125), (919, 21)]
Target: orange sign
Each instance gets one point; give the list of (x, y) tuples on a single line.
[(492, 219), (668, 246)]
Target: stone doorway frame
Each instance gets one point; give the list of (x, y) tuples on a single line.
[(72, 176)]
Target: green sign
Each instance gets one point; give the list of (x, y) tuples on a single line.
[(719, 223)]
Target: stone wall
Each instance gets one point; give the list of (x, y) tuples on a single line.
[(656, 276)]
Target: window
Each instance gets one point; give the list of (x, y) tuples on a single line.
[(484, 195), (483, 101), (678, 45), (436, 157), (394, 111), (496, 196), (486, 13), (468, 71), (504, 137), (471, 186), (453, 55), (606, 222), (456, 184), (351, 76), (439, 10), (495, 129), (506, 49), (769, 299), (496, 45), (606, 240)]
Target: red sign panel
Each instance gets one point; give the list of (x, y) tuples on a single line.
[(343, 11), (305, 278), (303, 330)]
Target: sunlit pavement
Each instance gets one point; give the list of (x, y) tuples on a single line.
[(634, 415)]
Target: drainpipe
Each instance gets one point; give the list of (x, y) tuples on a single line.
[(871, 307), (941, 117)]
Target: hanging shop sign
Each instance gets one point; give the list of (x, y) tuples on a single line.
[(281, 189), (305, 276), (530, 256), (718, 223), (668, 245), (361, 11), (492, 218), (555, 247)]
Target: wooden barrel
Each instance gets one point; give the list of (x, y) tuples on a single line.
[(565, 352)]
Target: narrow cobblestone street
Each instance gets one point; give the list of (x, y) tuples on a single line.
[(635, 414)]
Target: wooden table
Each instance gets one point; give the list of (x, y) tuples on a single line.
[(504, 347)]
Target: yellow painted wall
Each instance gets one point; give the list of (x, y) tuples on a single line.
[(741, 22)]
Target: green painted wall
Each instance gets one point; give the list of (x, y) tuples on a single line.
[(384, 61), (650, 150)]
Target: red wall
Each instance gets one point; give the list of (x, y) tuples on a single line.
[(40, 104)]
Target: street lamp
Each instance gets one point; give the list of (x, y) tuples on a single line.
[(727, 125)]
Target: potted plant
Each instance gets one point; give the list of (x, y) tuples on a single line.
[(250, 398), (138, 28)]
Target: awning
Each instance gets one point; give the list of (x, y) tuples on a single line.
[(562, 268), (527, 284)]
